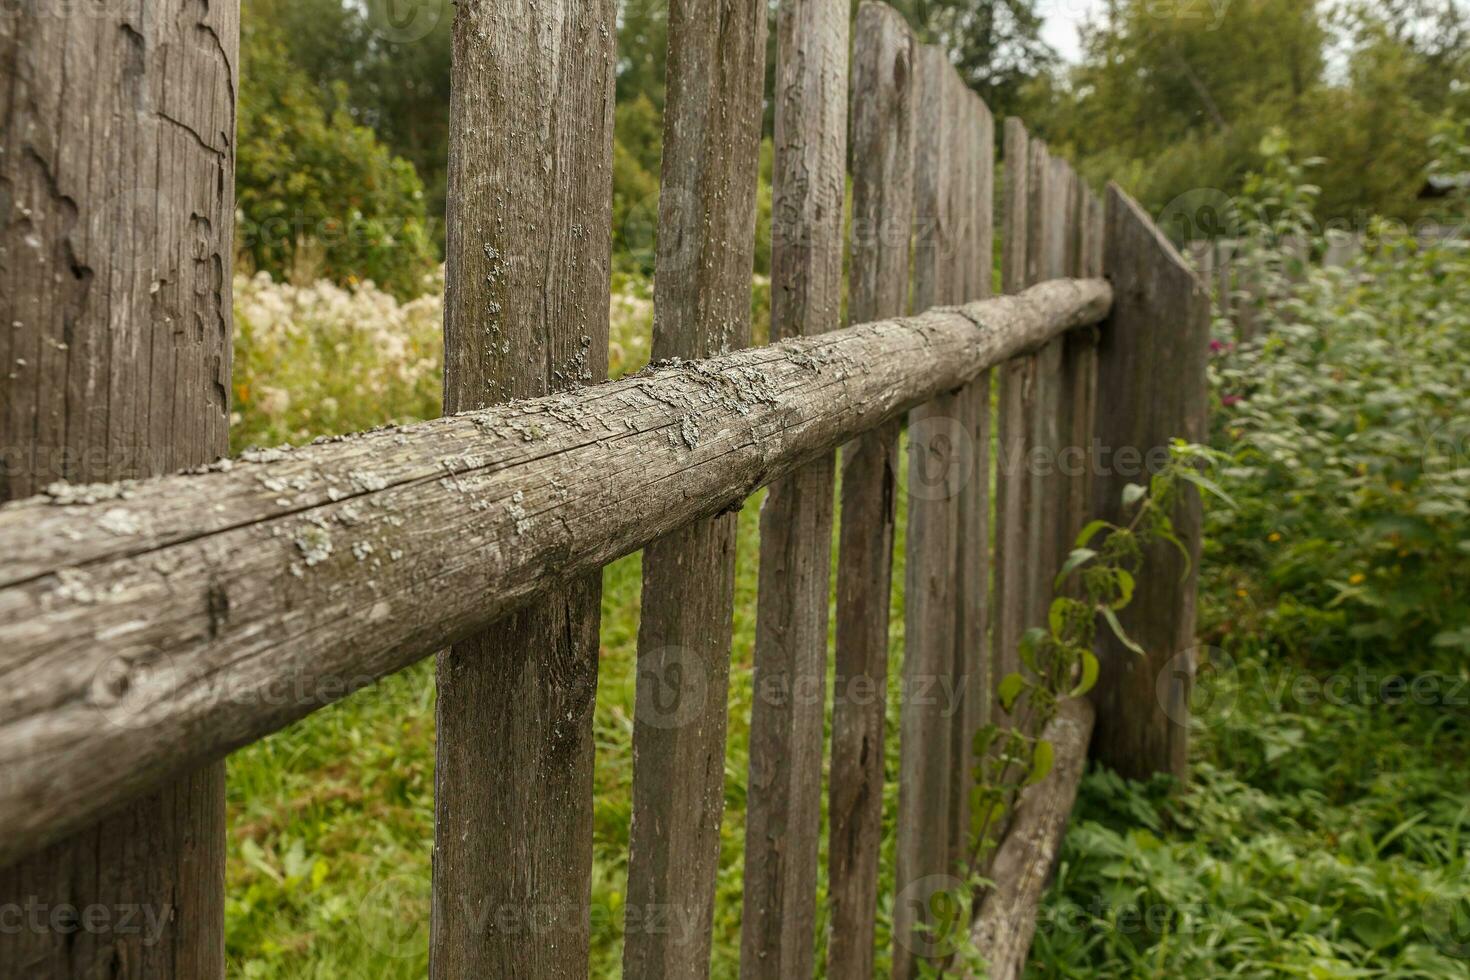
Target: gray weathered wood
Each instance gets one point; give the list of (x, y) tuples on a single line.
[(783, 817), (1015, 379), (117, 159), (1151, 389), (1046, 259), (1078, 385), (706, 248), (1024, 862), (937, 462), (970, 679), (210, 591), (883, 205), (525, 315)]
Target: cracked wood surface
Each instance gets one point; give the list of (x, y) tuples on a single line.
[(227, 603), (882, 220), (117, 130), (526, 314), (701, 307), (1026, 858), (783, 818)]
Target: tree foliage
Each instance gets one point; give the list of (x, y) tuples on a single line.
[(317, 194)]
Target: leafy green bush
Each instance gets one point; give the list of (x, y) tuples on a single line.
[(317, 195), (1349, 427)]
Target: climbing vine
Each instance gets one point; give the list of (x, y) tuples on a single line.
[(1096, 582)]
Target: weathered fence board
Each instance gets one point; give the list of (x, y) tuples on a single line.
[(1151, 389), (115, 251), (883, 85), (706, 248), (936, 464), (1015, 379), (784, 791), (970, 680), (525, 315)]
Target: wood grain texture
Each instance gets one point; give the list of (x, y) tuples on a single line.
[(528, 258), (938, 461), (1078, 389), (117, 158), (706, 248), (1045, 260), (883, 204), (783, 807), (970, 680), (1151, 389), (210, 590), (1015, 380), (1026, 859)]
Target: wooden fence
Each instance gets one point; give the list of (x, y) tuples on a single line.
[(1243, 285), (150, 626)]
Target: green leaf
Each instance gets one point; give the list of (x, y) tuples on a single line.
[(1056, 616), (1117, 628), (1076, 559), (1010, 689), (1209, 486), (980, 741), (1042, 761), (1133, 493), (1088, 680), (1089, 532), (1031, 641), (1125, 582)]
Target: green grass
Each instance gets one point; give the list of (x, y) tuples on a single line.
[(1314, 838), (324, 812)]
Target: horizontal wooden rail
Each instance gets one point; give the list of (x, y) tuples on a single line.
[(147, 627)]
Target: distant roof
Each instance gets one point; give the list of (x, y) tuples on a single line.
[(1443, 185)]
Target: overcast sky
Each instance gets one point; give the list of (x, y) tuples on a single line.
[(1062, 18)]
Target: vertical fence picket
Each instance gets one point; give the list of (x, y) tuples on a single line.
[(1015, 378), (882, 112), (526, 313), (116, 228), (1046, 259), (935, 467), (1151, 389), (706, 248), (783, 814), (970, 680), (1078, 392)]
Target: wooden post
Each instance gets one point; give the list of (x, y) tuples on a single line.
[(883, 90), (784, 816), (526, 313), (706, 249), (117, 169), (937, 464), (1151, 389)]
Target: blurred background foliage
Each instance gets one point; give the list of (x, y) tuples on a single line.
[(345, 108)]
